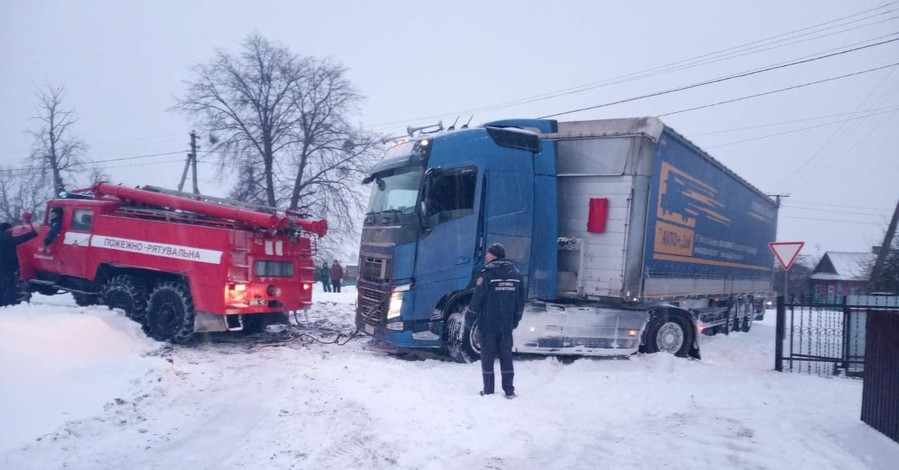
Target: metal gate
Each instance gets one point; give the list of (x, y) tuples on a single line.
[(825, 338), (880, 395)]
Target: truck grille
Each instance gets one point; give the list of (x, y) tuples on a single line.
[(372, 303), (374, 269)]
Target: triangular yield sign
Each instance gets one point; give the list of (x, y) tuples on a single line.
[(786, 252)]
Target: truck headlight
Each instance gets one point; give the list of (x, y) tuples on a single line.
[(396, 304)]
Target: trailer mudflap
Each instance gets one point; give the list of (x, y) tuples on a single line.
[(579, 330)]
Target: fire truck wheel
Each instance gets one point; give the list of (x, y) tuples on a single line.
[(126, 293), (24, 292), (254, 323), (84, 300), (170, 314), (463, 343), (669, 333)]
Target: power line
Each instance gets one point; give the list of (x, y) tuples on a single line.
[(801, 129), (852, 222), (674, 66), (720, 79), (794, 207), (89, 161), (802, 85), (839, 135), (793, 121)]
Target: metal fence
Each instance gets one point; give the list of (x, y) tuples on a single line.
[(880, 395), (825, 338)]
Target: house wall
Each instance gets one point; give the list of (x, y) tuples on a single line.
[(834, 290)]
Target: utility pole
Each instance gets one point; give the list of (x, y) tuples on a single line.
[(885, 248), (191, 163)]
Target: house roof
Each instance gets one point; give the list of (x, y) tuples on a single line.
[(843, 266)]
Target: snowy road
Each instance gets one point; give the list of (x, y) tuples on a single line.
[(83, 389)]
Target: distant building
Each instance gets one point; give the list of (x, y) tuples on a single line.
[(840, 273)]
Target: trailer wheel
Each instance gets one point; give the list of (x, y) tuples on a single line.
[(749, 310), (669, 333), (126, 293), (731, 323), (463, 342), (170, 314)]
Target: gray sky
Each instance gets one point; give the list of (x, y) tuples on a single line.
[(417, 62)]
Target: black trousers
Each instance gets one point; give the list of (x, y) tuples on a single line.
[(493, 345), (336, 285), (9, 288)]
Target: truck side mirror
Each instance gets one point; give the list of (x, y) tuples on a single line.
[(26, 218), (423, 205)]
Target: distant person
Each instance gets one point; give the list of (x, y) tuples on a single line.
[(336, 275), (54, 220), (9, 263), (498, 301), (324, 275)]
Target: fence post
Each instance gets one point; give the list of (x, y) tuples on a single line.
[(779, 334), (847, 325)]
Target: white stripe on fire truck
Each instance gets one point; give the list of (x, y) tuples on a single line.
[(164, 250), (77, 239)]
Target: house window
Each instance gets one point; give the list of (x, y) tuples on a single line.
[(831, 291)]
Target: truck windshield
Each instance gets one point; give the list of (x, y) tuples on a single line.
[(395, 190)]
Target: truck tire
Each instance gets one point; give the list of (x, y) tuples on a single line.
[(126, 293), (23, 291), (85, 300), (731, 323), (749, 310), (254, 323), (669, 333), (170, 313), (463, 343)]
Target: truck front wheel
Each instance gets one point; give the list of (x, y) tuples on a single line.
[(669, 333), (463, 343), (170, 314), (125, 292)]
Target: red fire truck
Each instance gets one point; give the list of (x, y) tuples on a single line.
[(175, 262)]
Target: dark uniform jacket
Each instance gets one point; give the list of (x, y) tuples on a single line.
[(8, 243), (499, 297)]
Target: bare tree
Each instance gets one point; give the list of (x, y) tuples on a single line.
[(55, 150), (22, 190), (281, 121)]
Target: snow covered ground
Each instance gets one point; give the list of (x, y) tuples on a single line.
[(82, 388)]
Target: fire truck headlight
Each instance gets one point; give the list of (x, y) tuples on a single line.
[(396, 304)]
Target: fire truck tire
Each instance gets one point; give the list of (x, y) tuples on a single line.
[(462, 340), (669, 333), (24, 292), (84, 300), (170, 314), (126, 293), (254, 323)]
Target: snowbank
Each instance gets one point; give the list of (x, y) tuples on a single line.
[(271, 401)]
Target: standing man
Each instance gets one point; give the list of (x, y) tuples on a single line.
[(498, 302), (324, 275), (336, 275), (9, 263)]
